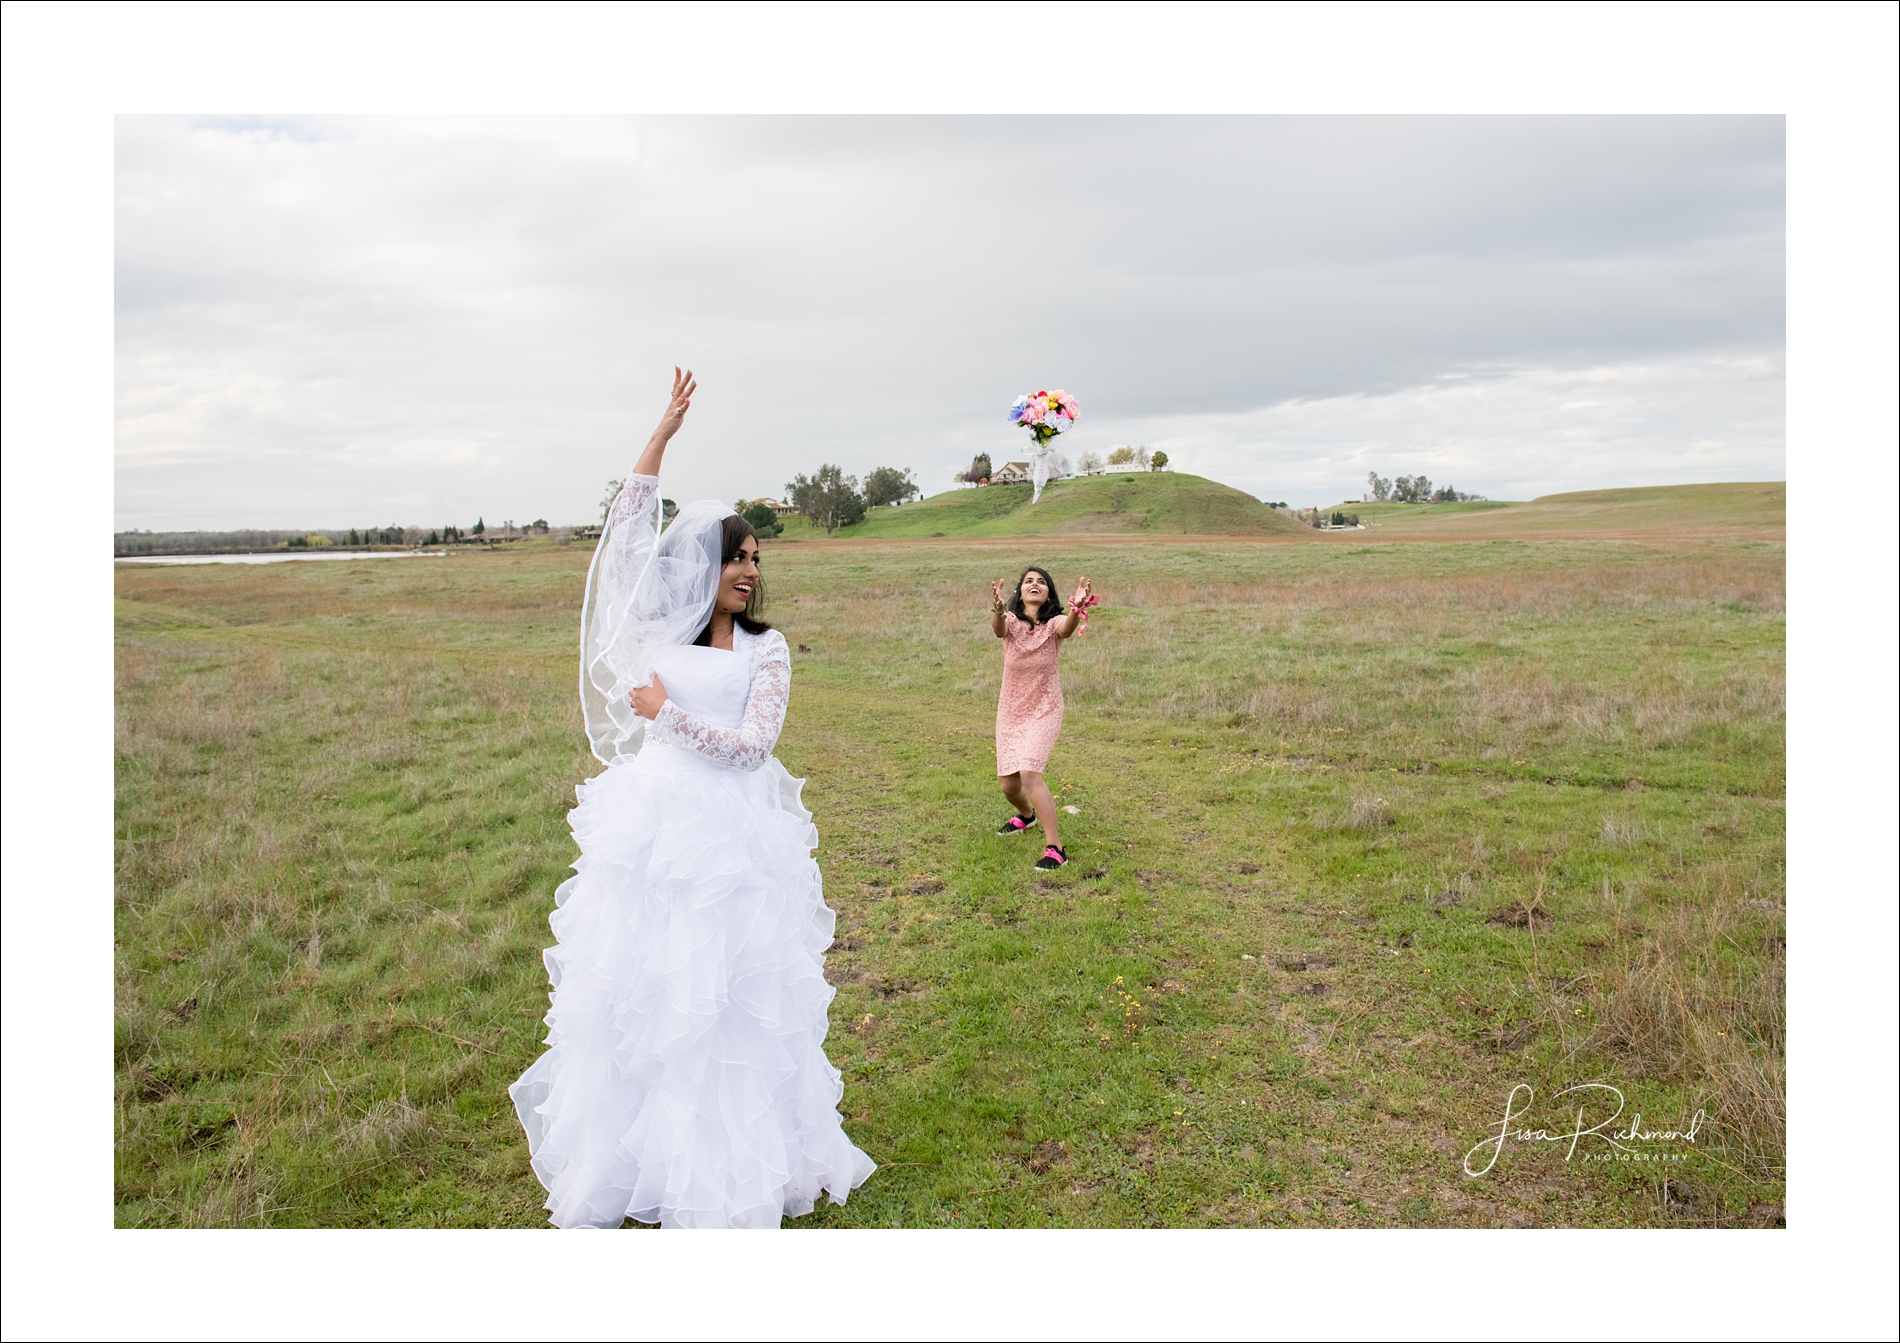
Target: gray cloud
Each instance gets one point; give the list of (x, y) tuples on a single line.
[(333, 321)]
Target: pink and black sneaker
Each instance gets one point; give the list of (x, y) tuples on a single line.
[(1015, 825), (1052, 858)]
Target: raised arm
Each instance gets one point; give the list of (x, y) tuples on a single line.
[(750, 744), (615, 657), (683, 388), (635, 503), (998, 605)]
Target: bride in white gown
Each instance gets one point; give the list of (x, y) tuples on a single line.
[(685, 1080)]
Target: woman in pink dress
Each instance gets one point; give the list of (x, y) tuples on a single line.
[(1032, 626)]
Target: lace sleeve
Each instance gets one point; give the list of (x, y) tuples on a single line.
[(750, 744), (631, 505)]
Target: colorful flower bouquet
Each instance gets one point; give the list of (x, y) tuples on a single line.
[(1045, 414)]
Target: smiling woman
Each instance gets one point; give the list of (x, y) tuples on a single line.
[(685, 1081), (1032, 626)]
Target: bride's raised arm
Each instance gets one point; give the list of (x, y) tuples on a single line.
[(683, 388), (641, 487), (614, 654)]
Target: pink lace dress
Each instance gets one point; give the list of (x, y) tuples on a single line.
[(1029, 710)]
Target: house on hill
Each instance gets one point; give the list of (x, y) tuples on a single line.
[(781, 510), (1011, 473)]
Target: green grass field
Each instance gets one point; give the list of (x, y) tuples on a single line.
[(1744, 509), (1365, 836), (1148, 504)]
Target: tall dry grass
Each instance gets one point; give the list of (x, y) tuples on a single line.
[(1695, 993)]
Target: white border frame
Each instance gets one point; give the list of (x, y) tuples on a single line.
[(69, 68)]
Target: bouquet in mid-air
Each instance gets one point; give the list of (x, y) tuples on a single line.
[(1045, 414)]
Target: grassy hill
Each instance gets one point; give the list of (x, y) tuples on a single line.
[(1742, 508), (1160, 503)]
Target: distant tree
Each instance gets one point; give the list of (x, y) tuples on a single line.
[(1121, 456), (1269, 504), (539, 524), (979, 470), (316, 539), (1378, 487), (353, 536), (1090, 463), (829, 497), (1411, 490), (607, 499), (1141, 456), (764, 521), (480, 527), (1158, 461), (888, 485), (433, 538), (668, 509)]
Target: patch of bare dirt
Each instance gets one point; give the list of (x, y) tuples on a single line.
[(1045, 1156), (1519, 915)]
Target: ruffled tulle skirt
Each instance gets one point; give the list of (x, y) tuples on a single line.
[(685, 1080)]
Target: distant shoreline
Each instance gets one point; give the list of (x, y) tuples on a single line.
[(279, 556)]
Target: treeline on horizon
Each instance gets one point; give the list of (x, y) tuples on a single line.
[(248, 540)]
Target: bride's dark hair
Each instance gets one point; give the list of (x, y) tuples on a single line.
[(1051, 605), (735, 531)]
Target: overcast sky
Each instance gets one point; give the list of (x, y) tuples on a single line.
[(338, 322)]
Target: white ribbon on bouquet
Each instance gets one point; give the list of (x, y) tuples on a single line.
[(1041, 461)]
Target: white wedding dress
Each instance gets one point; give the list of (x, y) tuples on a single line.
[(685, 1081)]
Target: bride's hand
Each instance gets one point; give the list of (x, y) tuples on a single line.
[(683, 388), (648, 700), (1083, 591), (997, 598)]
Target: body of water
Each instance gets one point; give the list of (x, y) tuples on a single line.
[(277, 556)]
